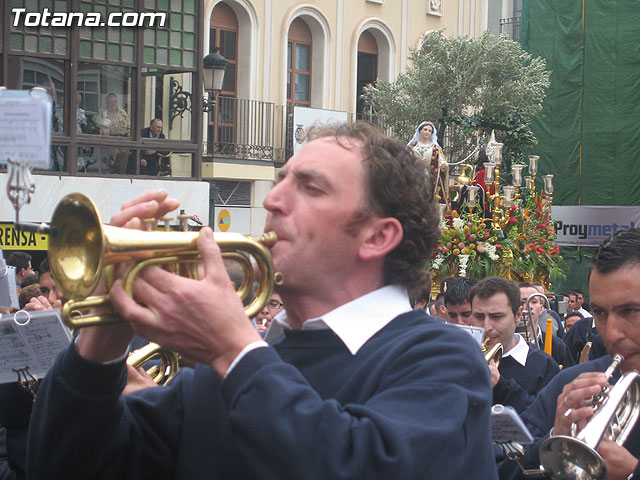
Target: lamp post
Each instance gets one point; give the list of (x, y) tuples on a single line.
[(215, 66)]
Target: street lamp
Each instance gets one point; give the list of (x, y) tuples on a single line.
[(214, 67)]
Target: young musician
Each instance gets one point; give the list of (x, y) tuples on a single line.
[(523, 370)]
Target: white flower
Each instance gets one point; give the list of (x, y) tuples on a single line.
[(458, 224), (464, 260), (491, 251), (437, 262)]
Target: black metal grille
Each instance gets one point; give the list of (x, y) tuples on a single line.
[(511, 26)]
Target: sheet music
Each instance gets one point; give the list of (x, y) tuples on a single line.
[(507, 426), (476, 332), (25, 127), (35, 344)]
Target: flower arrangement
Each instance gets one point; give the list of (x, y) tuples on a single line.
[(467, 247), (520, 244)]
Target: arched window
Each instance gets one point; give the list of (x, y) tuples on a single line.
[(221, 124), (367, 65), (298, 65)]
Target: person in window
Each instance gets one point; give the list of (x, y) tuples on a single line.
[(119, 126), (150, 161)]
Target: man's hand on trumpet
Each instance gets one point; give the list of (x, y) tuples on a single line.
[(202, 319), (104, 343), (574, 404)]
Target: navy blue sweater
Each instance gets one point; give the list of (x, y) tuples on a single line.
[(519, 385), (412, 403)]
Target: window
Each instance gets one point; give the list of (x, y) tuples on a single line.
[(107, 84), (299, 65), (221, 131), (367, 66)]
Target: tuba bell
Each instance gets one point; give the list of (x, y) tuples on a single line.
[(616, 412), (82, 251)]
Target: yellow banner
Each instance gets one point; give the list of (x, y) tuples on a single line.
[(12, 239)]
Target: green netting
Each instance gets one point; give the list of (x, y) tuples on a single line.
[(593, 106), (552, 29), (577, 267), (594, 100)]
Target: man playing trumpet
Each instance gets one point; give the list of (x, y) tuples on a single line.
[(523, 370), (361, 386), (614, 287)]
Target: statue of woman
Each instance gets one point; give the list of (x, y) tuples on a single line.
[(425, 145)]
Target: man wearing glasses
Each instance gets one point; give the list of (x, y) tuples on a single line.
[(273, 307)]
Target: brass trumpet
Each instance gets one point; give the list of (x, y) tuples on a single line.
[(82, 250), (494, 353), (616, 412), (169, 362)]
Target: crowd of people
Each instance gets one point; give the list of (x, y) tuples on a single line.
[(343, 374)]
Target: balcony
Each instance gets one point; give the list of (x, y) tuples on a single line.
[(255, 131), (511, 26)]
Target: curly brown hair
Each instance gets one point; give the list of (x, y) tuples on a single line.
[(396, 185)]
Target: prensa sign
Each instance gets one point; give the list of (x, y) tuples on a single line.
[(13, 239)]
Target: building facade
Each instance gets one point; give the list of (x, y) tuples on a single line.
[(282, 55)]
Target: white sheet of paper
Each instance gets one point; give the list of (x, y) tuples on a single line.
[(476, 332), (34, 345), (507, 426), (25, 127)]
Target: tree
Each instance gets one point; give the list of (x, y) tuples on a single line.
[(488, 82)]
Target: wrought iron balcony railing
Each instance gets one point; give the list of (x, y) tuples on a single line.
[(257, 131), (511, 26)]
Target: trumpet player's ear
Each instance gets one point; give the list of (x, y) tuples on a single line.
[(379, 237)]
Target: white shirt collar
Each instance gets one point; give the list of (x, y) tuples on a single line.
[(357, 321), (520, 351)]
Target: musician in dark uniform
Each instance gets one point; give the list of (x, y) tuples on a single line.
[(523, 370), (614, 287), (361, 385), (581, 333), (559, 350)]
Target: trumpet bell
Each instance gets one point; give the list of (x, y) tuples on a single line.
[(76, 244), (571, 459)]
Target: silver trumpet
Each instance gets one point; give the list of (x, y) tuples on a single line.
[(616, 412)]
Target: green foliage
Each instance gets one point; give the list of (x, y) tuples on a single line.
[(488, 82)]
